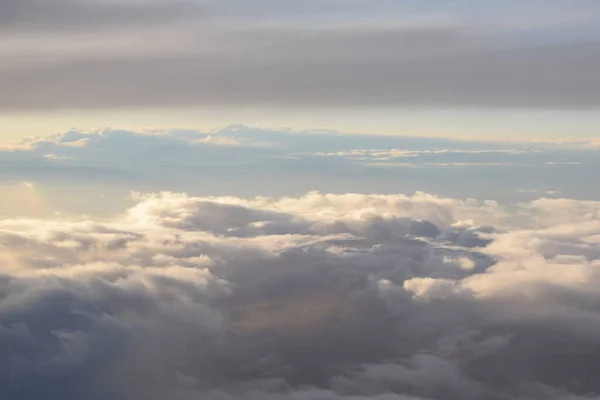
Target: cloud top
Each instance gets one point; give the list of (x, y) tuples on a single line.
[(325, 296)]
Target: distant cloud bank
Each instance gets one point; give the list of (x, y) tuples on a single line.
[(246, 161)]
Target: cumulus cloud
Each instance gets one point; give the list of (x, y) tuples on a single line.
[(324, 296)]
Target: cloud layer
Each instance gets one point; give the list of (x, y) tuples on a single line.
[(322, 297), (85, 54), (246, 161)]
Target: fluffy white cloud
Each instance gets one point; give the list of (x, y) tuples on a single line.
[(325, 296)]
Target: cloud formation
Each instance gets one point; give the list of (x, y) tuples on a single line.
[(84, 54), (324, 296), (246, 161), (105, 146)]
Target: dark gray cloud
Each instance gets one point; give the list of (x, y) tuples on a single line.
[(320, 297), (544, 77), (92, 55), (76, 16)]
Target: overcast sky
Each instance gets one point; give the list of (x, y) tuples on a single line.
[(205, 63)]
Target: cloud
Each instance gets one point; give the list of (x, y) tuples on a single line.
[(55, 157), (112, 146), (592, 144), (37, 16), (246, 161), (94, 55), (324, 296), (485, 78), (401, 158)]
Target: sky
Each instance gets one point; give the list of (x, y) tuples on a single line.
[(299, 200), (424, 68), (93, 172)]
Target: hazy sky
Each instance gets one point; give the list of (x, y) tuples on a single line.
[(93, 172), (299, 199), (442, 68)]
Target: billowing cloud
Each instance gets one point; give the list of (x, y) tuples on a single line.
[(324, 296)]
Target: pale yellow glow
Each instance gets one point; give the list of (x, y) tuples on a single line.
[(23, 198), (459, 124)]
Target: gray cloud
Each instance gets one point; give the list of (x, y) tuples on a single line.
[(76, 16), (319, 297), (561, 77), (172, 55)]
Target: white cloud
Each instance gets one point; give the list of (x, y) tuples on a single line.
[(422, 165), (464, 262), (220, 141), (389, 154), (325, 296), (55, 157), (430, 288), (247, 161)]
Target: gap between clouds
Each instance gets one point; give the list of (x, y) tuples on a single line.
[(281, 143), (247, 161)]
